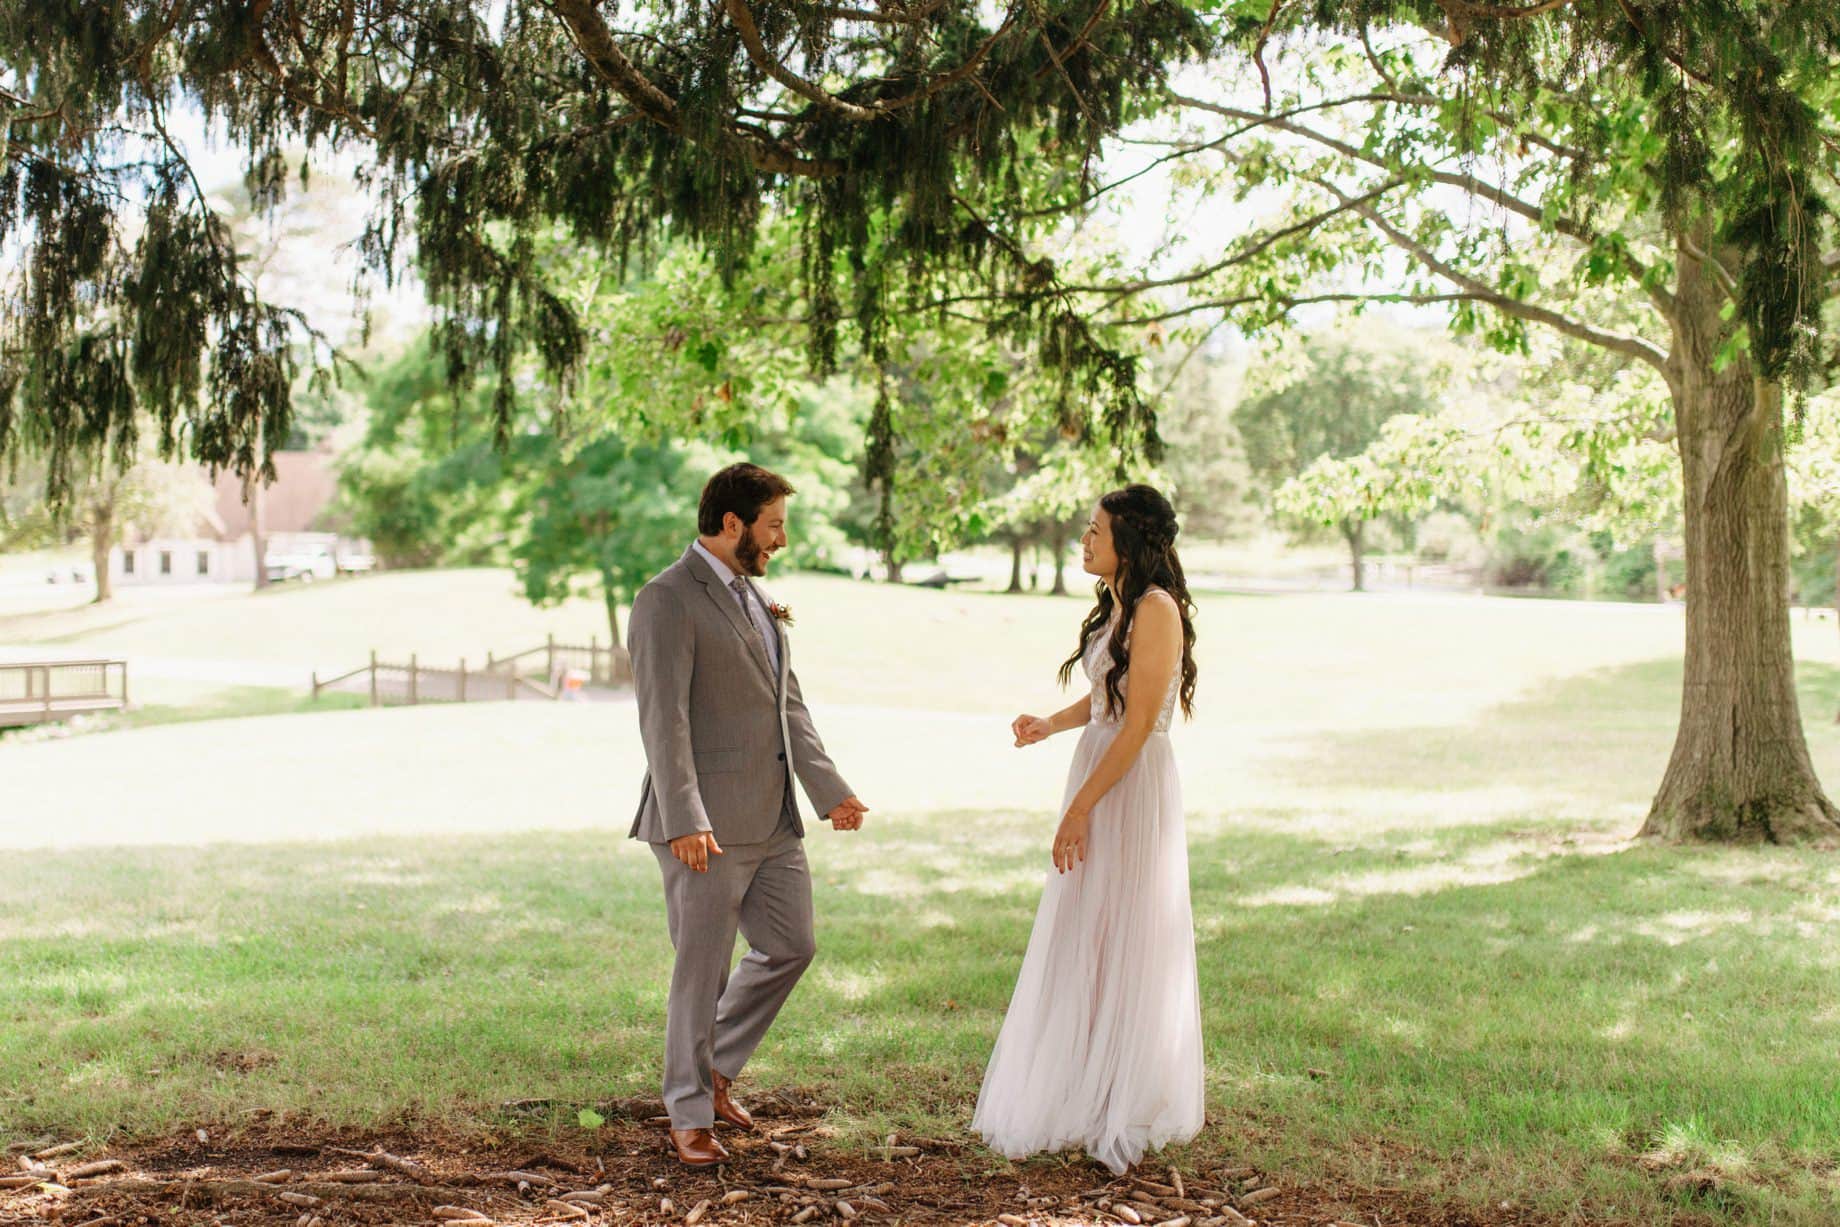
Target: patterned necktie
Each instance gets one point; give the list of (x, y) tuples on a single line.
[(740, 586)]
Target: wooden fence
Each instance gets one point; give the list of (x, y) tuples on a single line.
[(35, 692), (503, 678), (601, 665), (391, 684)]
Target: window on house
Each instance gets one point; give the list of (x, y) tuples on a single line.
[(204, 563), (127, 562), (165, 562)]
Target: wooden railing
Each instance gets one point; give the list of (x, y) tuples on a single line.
[(549, 671), (392, 684), (603, 665), (34, 692)]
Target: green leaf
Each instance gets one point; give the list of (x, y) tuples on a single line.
[(588, 1118)]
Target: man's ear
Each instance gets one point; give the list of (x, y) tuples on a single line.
[(731, 523)]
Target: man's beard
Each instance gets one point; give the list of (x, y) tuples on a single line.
[(748, 553)]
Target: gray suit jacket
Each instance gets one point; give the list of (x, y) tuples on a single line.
[(718, 726)]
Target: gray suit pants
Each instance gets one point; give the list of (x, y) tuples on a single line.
[(715, 1019)]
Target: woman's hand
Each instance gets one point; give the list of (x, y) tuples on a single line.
[(1030, 729), (1070, 840)]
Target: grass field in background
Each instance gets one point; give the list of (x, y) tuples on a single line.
[(1429, 956)]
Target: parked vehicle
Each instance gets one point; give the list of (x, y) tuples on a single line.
[(354, 562), (302, 565)]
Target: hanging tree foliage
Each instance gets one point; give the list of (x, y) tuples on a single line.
[(884, 129)]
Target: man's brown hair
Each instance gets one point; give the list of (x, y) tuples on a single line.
[(741, 488)]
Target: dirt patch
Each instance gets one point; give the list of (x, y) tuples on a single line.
[(785, 1172)]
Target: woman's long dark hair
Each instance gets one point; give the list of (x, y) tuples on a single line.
[(1144, 537)]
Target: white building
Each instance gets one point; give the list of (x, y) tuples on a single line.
[(221, 548)]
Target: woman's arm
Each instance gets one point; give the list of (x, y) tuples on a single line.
[(1031, 729), (1156, 651), (1073, 716)]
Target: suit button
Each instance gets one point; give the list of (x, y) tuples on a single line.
[(782, 756)]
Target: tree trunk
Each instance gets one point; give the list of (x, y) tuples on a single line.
[(101, 538), (1058, 543), (1015, 564), (1661, 571), (610, 595), (1354, 532), (891, 567), (254, 492), (1740, 771)]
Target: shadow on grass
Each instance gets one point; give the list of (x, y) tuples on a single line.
[(1589, 737), (1588, 1004), (227, 703)]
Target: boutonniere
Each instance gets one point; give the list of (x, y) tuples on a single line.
[(782, 614)]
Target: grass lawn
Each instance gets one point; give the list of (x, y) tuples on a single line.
[(1429, 956)]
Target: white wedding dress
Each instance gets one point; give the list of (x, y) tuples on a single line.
[(1101, 1048)]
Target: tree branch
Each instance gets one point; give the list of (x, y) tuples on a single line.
[(1263, 243), (1663, 300), (1188, 148), (1289, 303), (743, 19), (1720, 273), (1501, 12), (898, 17), (596, 42), (964, 70), (1616, 342)]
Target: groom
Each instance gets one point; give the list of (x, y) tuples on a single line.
[(725, 732)]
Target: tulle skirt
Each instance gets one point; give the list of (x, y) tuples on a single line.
[(1101, 1048)]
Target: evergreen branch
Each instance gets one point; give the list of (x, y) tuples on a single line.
[(1673, 57), (970, 66), (897, 17), (743, 20), (1501, 12), (143, 55), (1080, 40), (1054, 57), (591, 36), (751, 40)]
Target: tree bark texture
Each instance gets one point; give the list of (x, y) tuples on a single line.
[(1740, 770), (1354, 532)]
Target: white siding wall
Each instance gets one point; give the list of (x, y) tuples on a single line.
[(224, 561)]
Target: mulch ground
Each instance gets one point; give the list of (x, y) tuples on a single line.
[(784, 1172)]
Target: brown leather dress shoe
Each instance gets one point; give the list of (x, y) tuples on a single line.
[(727, 1109), (697, 1147)]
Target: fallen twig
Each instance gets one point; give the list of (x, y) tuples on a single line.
[(219, 1190), (381, 1158)]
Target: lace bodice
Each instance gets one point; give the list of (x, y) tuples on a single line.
[(1097, 661)]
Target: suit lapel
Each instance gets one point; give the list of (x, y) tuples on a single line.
[(731, 609), (785, 660)]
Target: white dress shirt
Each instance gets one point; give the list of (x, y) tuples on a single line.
[(753, 606)]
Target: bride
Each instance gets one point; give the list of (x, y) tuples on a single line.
[(1101, 1048)]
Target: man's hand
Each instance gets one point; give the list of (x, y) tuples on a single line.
[(848, 816), (694, 850)]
